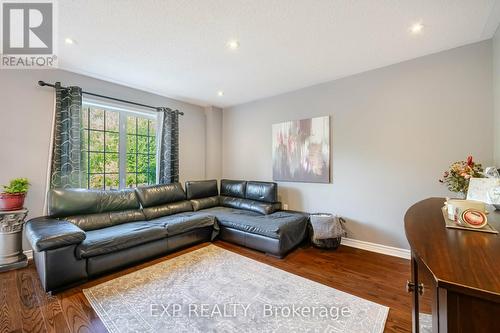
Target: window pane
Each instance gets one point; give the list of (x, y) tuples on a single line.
[(131, 143), (142, 179), (142, 144), (97, 119), (152, 145), (85, 117), (152, 128), (131, 122), (96, 162), (131, 180), (112, 182), (112, 142), (97, 181), (142, 163), (100, 145), (84, 162), (152, 169), (85, 140), (96, 141), (131, 166), (142, 126), (112, 121), (112, 163)]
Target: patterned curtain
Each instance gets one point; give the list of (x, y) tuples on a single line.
[(168, 148), (66, 164)]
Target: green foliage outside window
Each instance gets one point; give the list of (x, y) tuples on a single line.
[(101, 149), (141, 152)]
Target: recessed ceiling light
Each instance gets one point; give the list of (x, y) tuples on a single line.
[(69, 41), (417, 28), (233, 44), (220, 93)]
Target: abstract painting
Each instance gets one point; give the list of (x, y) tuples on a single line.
[(301, 150)]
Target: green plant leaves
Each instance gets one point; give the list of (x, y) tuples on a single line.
[(17, 185)]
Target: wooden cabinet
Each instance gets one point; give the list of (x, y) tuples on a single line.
[(455, 281)]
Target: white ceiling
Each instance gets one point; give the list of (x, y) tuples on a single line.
[(177, 48)]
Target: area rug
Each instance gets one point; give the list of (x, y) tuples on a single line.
[(215, 290)]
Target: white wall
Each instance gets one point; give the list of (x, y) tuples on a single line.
[(213, 142), (25, 126), (394, 131)]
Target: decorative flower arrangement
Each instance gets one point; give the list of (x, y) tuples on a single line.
[(458, 176)]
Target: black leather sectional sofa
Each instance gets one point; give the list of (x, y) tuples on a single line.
[(90, 232)]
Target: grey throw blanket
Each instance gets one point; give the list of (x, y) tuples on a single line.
[(326, 226)]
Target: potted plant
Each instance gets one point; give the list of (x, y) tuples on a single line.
[(459, 174), (12, 197)]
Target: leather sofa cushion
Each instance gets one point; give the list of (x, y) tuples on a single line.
[(251, 205), (45, 233), (160, 194), (167, 209), (262, 191), (233, 188), (70, 202), (119, 237), (204, 203), (201, 189), (282, 224), (126, 216), (103, 220), (184, 222)]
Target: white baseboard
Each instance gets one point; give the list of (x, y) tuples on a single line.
[(379, 248), (28, 253)]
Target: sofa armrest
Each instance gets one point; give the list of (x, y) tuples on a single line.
[(46, 233)]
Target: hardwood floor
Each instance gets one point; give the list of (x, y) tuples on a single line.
[(25, 307)]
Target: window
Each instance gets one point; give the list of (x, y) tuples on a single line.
[(141, 151), (118, 146)]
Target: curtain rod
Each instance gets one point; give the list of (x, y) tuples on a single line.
[(43, 84)]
